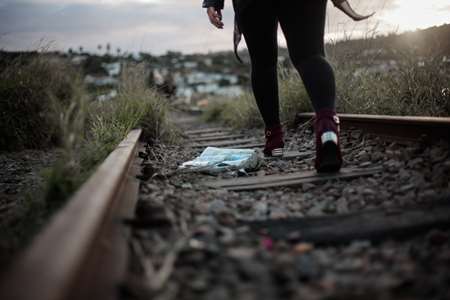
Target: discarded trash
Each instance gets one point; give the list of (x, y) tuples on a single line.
[(215, 160)]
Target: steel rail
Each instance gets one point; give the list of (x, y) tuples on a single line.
[(76, 255), (397, 127)]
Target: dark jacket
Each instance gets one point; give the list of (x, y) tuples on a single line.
[(239, 5), (213, 3)]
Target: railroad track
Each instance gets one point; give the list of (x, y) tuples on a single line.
[(394, 127), (83, 252)]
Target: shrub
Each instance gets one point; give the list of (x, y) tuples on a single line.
[(32, 89), (84, 132)]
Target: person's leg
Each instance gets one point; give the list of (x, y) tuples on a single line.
[(303, 24), (259, 24)]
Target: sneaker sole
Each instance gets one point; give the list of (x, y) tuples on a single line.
[(277, 152), (330, 161)]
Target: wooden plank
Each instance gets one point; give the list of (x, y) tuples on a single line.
[(288, 155), (292, 179), (243, 146), (207, 135), (229, 143), (244, 181), (298, 182), (205, 130), (371, 225), (249, 146), (218, 138), (184, 121), (52, 266)]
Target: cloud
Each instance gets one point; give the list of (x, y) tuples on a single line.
[(139, 25), (144, 25)]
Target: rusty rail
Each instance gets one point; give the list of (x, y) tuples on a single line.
[(81, 254), (397, 127)]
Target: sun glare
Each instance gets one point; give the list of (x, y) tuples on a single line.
[(414, 14)]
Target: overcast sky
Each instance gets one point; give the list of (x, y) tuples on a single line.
[(159, 25)]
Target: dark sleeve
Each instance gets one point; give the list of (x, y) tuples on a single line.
[(214, 3)]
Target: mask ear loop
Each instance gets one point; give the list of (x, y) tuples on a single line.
[(345, 7)]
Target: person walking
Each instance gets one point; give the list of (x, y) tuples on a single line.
[(302, 23)]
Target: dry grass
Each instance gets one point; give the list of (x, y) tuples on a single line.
[(93, 130), (410, 89), (242, 111)]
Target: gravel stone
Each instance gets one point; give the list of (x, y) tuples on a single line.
[(222, 260)]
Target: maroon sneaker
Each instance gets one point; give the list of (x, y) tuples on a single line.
[(328, 151), (274, 141)]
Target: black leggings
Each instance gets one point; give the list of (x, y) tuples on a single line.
[(303, 23)]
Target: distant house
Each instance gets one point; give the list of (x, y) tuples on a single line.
[(197, 82), (378, 68), (230, 91), (446, 60), (190, 65), (158, 76), (106, 97), (208, 62), (208, 88), (100, 81), (373, 52), (113, 69), (185, 92), (78, 59)]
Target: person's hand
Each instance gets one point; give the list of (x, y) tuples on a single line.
[(215, 17)]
